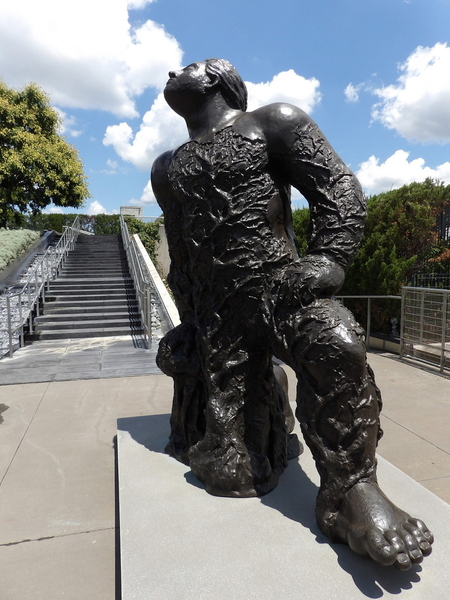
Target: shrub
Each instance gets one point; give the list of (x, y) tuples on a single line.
[(13, 243)]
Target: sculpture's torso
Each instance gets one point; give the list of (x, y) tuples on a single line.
[(232, 214)]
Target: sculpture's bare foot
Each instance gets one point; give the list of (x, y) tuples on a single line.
[(372, 526)]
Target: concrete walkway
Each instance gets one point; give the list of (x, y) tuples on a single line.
[(58, 513)]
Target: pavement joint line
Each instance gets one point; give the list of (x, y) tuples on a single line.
[(436, 478), (53, 537), (26, 431), (414, 433)]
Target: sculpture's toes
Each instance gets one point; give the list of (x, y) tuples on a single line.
[(379, 548), (421, 534), (406, 549)]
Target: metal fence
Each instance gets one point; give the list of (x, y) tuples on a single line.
[(425, 325), (21, 302), (141, 277), (369, 300), (439, 281)]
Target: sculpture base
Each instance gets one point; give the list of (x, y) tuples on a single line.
[(177, 541)]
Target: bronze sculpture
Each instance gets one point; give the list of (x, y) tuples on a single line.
[(244, 295)]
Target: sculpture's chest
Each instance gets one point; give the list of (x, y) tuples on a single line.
[(228, 164)]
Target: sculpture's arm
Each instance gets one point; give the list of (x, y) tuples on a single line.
[(334, 194), (179, 276)]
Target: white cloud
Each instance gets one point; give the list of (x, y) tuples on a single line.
[(418, 105), (376, 177), (147, 195), (351, 92), (286, 86), (68, 124), (53, 210), (85, 53), (95, 208), (161, 130), (111, 167)]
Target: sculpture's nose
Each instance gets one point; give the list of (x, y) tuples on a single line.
[(172, 74)]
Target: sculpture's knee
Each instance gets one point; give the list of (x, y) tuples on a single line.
[(336, 347)]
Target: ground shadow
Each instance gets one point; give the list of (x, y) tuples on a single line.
[(294, 497)]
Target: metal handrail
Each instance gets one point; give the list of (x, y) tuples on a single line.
[(28, 297), (142, 279), (369, 308)]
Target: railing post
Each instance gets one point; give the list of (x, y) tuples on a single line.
[(402, 320), (8, 314), (369, 309), (444, 328), (422, 315), (21, 320)]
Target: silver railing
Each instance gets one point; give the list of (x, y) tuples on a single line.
[(21, 301), (141, 278), (425, 330), (369, 309)]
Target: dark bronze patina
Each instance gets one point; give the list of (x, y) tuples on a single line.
[(245, 296)]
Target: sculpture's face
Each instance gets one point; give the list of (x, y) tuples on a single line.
[(191, 82)]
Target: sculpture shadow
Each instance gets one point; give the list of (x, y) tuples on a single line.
[(151, 431), (294, 498)]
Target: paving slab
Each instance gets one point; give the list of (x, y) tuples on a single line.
[(18, 408), (72, 567), (177, 541), (84, 358)]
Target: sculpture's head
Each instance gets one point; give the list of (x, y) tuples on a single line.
[(230, 82), (194, 82)]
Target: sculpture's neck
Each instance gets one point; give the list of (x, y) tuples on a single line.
[(213, 116)]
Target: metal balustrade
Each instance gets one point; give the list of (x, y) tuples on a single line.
[(141, 277), (425, 325), (23, 300)]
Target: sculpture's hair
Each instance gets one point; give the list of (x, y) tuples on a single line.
[(232, 86)]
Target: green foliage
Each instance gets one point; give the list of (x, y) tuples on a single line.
[(107, 224), (400, 240), (57, 221), (37, 166), (13, 243), (300, 222), (148, 234)]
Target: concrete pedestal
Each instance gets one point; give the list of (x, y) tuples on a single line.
[(180, 543)]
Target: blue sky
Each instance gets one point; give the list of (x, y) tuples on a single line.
[(373, 74)]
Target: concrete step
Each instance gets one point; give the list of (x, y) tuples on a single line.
[(83, 270), (45, 319), (92, 297), (62, 334), (44, 326), (94, 306), (90, 289), (64, 281)]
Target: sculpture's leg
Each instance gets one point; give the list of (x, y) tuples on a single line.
[(178, 357), (338, 408), (244, 448)]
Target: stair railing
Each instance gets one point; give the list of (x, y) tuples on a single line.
[(20, 303), (141, 277)]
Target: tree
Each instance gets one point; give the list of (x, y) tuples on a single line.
[(400, 238), (37, 165)]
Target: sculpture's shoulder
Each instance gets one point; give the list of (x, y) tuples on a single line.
[(280, 123), (160, 177), (160, 165)]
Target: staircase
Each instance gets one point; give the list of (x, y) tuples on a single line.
[(93, 295)]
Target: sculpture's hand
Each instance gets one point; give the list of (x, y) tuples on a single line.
[(313, 276)]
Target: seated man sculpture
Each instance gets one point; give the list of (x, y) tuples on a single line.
[(245, 296)]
